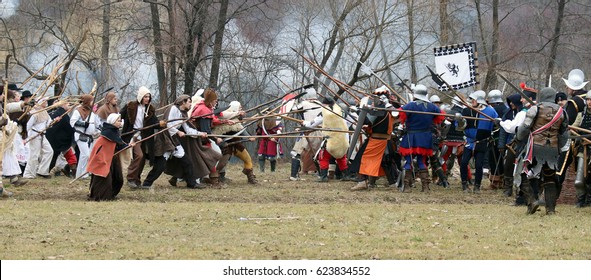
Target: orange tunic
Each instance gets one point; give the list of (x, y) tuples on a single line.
[(101, 157), (371, 160)]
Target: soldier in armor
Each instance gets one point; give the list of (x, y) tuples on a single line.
[(582, 179), (305, 146), (495, 100), (545, 132), (418, 141), (453, 143), (435, 160), (378, 147), (477, 134), (505, 139), (514, 147), (575, 89)]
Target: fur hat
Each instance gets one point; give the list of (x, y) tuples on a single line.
[(113, 117), (575, 79), (141, 92), (234, 106), (209, 97)]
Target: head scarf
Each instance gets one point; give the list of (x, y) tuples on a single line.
[(104, 111), (85, 105)]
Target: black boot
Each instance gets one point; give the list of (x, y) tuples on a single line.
[(581, 201), (551, 195), (346, 175), (273, 163), (371, 182), (465, 187), (262, 165), (477, 188), (508, 186), (442, 178), (323, 174), (530, 197), (295, 169)]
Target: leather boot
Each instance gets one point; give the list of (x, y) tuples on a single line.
[(73, 168), (551, 195), (363, 185), (250, 175), (425, 180), (442, 178), (215, 182), (262, 165), (323, 174), (408, 181), (476, 188), (346, 175), (273, 165), (17, 181), (223, 178), (581, 201), (530, 197), (508, 186), (330, 174), (465, 187), (295, 169)]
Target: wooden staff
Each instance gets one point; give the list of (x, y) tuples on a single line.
[(37, 72), (370, 72), (434, 114), (579, 129), (319, 69), (264, 136), (582, 137), (53, 122), (134, 143), (461, 97)]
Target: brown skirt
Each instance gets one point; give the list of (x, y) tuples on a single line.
[(107, 188)]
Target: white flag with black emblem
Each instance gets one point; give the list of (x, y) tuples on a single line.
[(457, 65)]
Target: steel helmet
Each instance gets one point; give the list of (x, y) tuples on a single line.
[(495, 96), (479, 96)]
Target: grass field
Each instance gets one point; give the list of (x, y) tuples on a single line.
[(280, 219)]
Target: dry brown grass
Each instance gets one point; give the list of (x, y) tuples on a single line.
[(49, 219)]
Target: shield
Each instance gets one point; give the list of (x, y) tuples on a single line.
[(360, 120)]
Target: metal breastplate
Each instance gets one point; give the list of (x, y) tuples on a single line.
[(548, 137)]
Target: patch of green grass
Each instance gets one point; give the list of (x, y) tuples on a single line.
[(49, 219)]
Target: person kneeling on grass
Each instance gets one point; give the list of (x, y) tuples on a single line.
[(107, 179)]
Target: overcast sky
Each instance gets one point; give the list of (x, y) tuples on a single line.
[(7, 8)]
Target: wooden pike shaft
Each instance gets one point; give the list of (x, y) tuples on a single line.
[(319, 69), (579, 129), (263, 136), (136, 143)]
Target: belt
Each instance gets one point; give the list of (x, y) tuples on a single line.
[(381, 136)]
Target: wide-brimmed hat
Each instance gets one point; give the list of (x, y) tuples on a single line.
[(576, 79)]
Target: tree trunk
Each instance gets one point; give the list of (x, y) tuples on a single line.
[(443, 23), (192, 54), (106, 42), (158, 53), (555, 40), (172, 52), (217, 45), (491, 56), (411, 35)]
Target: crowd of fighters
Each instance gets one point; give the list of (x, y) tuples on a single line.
[(526, 140)]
